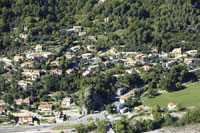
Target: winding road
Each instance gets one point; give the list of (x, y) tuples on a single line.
[(82, 120), (5, 60), (193, 70)]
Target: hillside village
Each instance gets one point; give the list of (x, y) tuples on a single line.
[(85, 60), (106, 66)]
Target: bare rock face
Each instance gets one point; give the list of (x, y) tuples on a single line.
[(90, 100)]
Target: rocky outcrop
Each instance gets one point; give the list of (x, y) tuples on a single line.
[(90, 100)]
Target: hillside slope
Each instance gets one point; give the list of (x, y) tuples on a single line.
[(165, 24)]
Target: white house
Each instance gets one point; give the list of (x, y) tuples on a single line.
[(130, 71), (47, 54), (107, 19), (77, 28), (192, 52), (45, 107), (118, 106), (188, 61), (24, 84), (30, 55), (124, 98), (69, 71), (93, 38), (67, 101), (31, 74), (169, 64), (23, 36), (93, 67), (25, 28), (176, 51), (171, 106), (2, 111), (75, 48), (90, 47), (81, 33), (55, 63), (59, 117), (120, 91), (87, 56), (86, 73), (38, 48), (55, 72), (18, 58)]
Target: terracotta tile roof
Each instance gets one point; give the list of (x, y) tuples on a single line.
[(147, 67), (171, 104), (86, 73), (132, 92), (19, 100), (124, 97), (38, 45), (67, 99), (106, 62), (38, 55), (46, 106), (26, 100), (69, 70)]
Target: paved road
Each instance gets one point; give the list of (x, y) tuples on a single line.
[(82, 120), (193, 70), (5, 60)]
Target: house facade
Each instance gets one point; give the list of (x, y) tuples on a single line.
[(45, 107), (55, 72), (124, 98), (171, 106), (31, 74), (25, 101), (38, 48), (67, 101), (25, 119), (2, 111), (118, 106)]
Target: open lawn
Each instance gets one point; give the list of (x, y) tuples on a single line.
[(187, 97), (64, 127)]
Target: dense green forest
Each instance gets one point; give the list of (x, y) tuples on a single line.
[(136, 24)]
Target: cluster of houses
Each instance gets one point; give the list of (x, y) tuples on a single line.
[(92, 61), (42, 108), (120, 104)]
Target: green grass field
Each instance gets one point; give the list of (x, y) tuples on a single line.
[(64, 127), (189, 96)]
